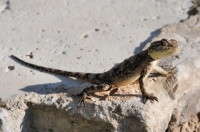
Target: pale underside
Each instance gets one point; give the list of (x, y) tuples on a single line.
[(135, 77)]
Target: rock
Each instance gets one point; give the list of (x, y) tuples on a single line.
[(195, 8), (4, 125), (178, 96), (188, 94), (192, 125)]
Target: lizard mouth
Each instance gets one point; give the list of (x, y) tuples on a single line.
[(174, 51), (158, 55), (171, 52)]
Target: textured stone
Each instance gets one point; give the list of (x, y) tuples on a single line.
[(178, 96), (188, 94)]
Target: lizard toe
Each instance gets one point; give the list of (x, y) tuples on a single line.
[(149, 97), (82, 101)]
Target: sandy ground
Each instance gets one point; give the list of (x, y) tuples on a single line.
[(81, 35)]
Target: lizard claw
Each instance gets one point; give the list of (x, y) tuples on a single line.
[(149, 97), (84, 96)]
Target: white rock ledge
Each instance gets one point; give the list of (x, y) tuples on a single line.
[(178, 96)]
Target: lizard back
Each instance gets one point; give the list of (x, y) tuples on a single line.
[(124, 73), (129, 70)]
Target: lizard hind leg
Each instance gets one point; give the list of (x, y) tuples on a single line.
[(92, 88)]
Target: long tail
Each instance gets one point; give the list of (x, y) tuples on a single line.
[(91, 77)]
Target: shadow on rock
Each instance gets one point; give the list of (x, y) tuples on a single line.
[(149, 39)]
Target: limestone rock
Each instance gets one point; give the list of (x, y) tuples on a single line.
[(178, 96)]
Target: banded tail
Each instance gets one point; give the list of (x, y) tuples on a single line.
[(96, 78)]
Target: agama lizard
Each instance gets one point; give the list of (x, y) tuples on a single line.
[(136, 67)]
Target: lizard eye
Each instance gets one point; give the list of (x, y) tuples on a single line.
[(164, 41)]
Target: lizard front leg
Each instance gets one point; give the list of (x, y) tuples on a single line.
[(92, 88), (143, 75), (160, 70)]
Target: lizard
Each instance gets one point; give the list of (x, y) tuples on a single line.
[(136, 67)]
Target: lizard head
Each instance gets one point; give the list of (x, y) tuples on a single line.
[(162, 48)]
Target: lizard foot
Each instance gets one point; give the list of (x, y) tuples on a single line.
[(92, 88), (84, 96), (149, 97)]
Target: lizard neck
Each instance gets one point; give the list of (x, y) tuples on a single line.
[(150, 59)]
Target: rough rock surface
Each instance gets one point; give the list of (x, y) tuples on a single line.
[(178, 108), (178, 96), (192, 125), (188, 65)]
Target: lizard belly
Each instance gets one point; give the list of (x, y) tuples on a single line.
[(126, 81)]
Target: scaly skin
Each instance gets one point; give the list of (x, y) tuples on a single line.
[(135, 67)]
